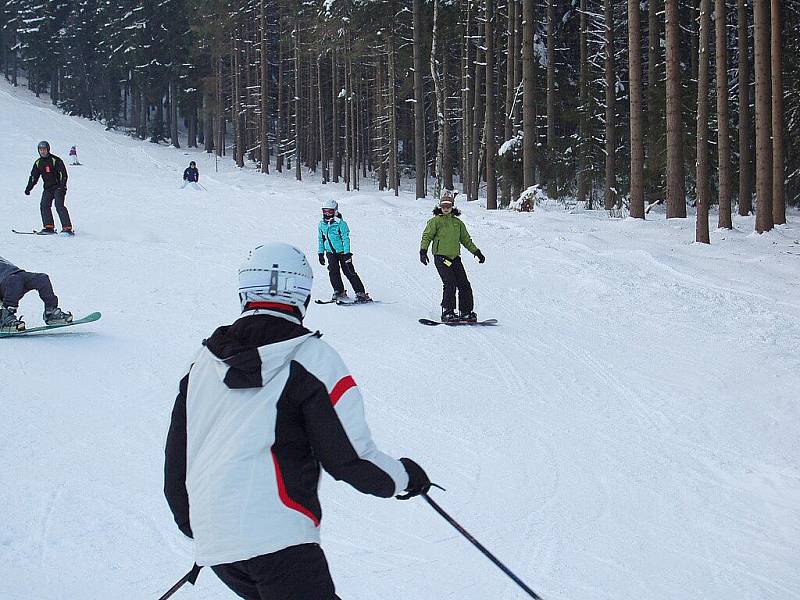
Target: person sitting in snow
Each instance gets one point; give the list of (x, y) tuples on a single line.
[(191, 174), (447, 233), (14, 284), (333, 240)]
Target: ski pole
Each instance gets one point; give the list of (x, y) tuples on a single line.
[(480, 547), (191, 577)]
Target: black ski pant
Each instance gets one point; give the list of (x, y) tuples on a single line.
[(454, 277), (336, 266), (59, 195), (16, 285), (295, 573)]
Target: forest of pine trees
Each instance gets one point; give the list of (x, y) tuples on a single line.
[(620, 104)]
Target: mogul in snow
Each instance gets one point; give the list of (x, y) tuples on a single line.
[(265, 406), (446, 233), (191, 174), (14, 284), (333, 241), (54, 178)]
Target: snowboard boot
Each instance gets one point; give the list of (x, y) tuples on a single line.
[(363, 297), (340, 296), (9, 320), (468, 317), (47, 230), (67, 230), (56, 316), (449, 315)]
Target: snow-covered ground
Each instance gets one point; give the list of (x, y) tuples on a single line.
[(629, 431)]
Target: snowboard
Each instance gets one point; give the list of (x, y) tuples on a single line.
[(349, 302), (458, 323), (87, 319)]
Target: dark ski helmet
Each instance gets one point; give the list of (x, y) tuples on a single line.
[(43, 144)]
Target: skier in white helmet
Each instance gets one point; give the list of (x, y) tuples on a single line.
[(265, 406)]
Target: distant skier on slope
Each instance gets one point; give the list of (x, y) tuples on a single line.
[(447, 233), (73, 154), (54, 178), (265, 406), (191, 174), (14, 284), (333, 240)]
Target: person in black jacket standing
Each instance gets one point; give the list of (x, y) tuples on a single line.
[(54, 178)]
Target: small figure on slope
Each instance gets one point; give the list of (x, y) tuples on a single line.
[(14, 284), (265, 406), (333, 240), (446, 233), (73, 154), (54, 178), (190, 175)]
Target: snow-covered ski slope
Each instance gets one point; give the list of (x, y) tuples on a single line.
[(628, 431)]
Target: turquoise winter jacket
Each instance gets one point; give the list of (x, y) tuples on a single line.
[(333, 237)]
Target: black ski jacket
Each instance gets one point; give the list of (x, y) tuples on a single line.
[(52, 171), (191, 174)]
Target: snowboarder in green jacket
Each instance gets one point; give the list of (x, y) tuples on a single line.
[(446, 233)]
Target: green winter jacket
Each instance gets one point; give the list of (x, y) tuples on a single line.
[(447, 233)]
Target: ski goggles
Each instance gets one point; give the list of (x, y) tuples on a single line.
[(328, 212)]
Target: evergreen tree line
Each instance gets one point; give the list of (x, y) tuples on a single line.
[(610, 101)]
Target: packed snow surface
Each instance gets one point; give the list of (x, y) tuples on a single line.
[(628, 431)]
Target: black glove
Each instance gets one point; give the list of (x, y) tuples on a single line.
[(423, 257), (27, 192), (321, 257), (418, 482), (481, 257), (348, 257)]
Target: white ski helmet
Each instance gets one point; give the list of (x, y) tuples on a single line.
[(276, 273), (330, 204)]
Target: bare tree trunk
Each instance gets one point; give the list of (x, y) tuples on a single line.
[(477, 119), (778, 166), (280, 124), (419, 103), (439, 94), (583, 195), (347, 121), (723, 133), (508, 123), (652, 167), (393, 174), (323, 157), (337, 159), (676, 195), (467, 92), (173, 113), (208, 120), (637, 146), (703, 175), (264, 63), (745, 138), (297, 78), (528, 109), (551, 77), (447, 150), (610, 196), (491, 151), (761, 30)]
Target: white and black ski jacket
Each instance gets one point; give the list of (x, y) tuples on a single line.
[(263, 406)]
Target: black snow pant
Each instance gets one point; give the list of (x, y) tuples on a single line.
[(16, 285), (48, 195), (295, 573), (337, 262), (454, 277)]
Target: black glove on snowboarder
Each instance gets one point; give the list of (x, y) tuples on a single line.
[(423, 257), (418, 482), (481, 257), (27, 192), (321, 256), (348, 257)]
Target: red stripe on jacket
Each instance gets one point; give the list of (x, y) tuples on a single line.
[(287, 501), (344, 384)]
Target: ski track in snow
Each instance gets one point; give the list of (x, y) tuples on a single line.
[(628, 431)]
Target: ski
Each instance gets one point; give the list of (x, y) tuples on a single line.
[(458, 323), (87, 319), (33, 232), (350, 302)]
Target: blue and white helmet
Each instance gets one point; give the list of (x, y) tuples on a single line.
[(330, 204), (276, 273)]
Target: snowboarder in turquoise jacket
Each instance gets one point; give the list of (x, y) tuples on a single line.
[(333, 241)]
